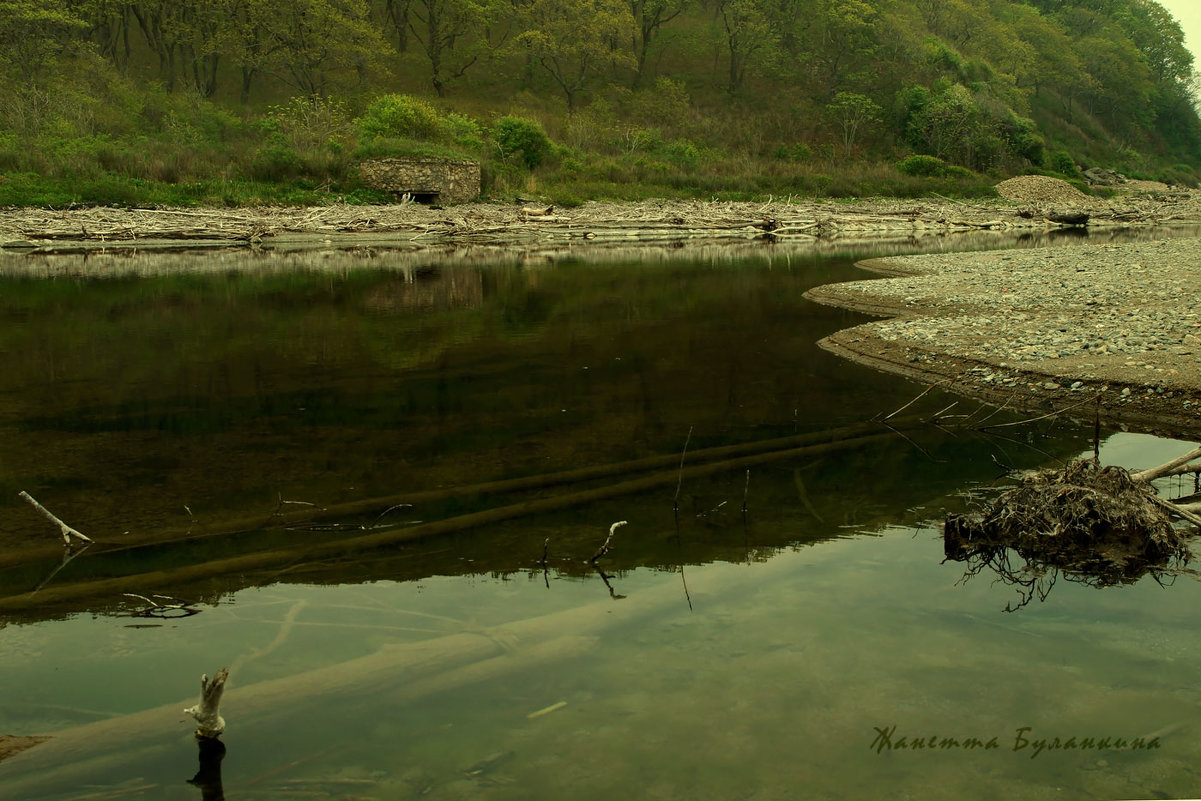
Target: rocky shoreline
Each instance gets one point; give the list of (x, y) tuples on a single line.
[(1033, 204), (1113, 328)]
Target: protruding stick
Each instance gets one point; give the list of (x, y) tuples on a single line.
[(604, 549), (679, 481), (207, 714), (66, 530)]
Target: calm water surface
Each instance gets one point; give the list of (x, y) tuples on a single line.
[(201, 408)]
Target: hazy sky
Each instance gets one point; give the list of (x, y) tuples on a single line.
[(1189, 14)]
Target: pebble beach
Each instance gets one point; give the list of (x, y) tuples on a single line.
[(1115, 327)]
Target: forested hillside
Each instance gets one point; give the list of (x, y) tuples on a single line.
[(275, 100)]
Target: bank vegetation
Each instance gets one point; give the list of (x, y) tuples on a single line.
[(241, 102)]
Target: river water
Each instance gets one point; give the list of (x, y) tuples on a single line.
[(252, 439)]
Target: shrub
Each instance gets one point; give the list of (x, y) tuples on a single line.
[(385, 147), (521, 138), (665, 104), (928, 166), (400, 116), (464, 131), (275, 160), (798, 152), (310, 123), (1179, 175), (681, 153), (1024, 139), (1062, 162)]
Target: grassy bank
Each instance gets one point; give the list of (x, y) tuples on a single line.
[(170, 150)]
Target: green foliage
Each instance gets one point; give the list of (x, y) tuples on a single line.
[(397, 147), (33, 34), (572, 39), (1180, 175), (930, 166), (853, 112), (1062, 162), (400, 116), (521, 139), (799, 152), (942, 57), (681, 153), (1023, 139), (666, 103), (311, 123), (764, 95), (276, 161), (464, 132)]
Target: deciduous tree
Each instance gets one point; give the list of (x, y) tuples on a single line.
[(450, 33), (649, 18), (575, 39), (853, 112), (33, 33), (311, 43)]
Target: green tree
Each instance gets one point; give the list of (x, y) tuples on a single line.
[(1159, 37), (847, 39), (749, 37), (162, 25), (1120, 85), (853, 112), (203, 38), (574, 39), (1054, 61), (33, 33), (941, 124), (444, 30), (395, 14), (108, 25), (314, 44), (649, 18)]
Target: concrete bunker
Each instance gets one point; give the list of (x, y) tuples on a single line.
[(425, 180)]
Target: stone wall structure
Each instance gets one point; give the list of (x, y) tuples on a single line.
[(427, 180)]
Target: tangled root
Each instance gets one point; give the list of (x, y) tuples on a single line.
[(1095, 524)]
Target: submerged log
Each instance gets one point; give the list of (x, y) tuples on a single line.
[(395, 675), (726, 459)]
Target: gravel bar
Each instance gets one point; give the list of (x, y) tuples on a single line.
[(1114, 327)]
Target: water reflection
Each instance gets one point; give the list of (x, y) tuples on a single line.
[(208, 775), (189, 412), (255, 440)]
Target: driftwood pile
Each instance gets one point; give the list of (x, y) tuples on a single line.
[(1096, 525), (596, 223)]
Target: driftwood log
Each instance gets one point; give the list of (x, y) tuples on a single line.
[(782, 219), (1068, 217)]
